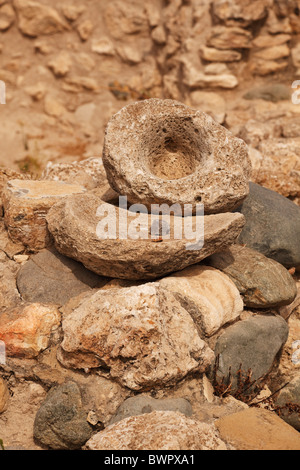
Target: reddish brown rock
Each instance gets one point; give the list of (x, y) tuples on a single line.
[(26, 330)]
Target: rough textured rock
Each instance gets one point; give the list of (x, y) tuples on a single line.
[(35, 18), (26, 203), (207, 294), (89, 173), (140, 334), (257, 429), (159, 430), (26, 330), (195, 79), (49, 277), (250, 343), (17, 421), (230, 38), (272, 53), (7, 17), (244, 13), (61, 422), (289, 396), (263, 41), (110, 243), (263, 282), (272, 225), (4, 395), (9, 295), (162, 151), (216, 55), (141, 404)]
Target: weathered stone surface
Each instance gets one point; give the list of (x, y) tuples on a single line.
[(159, 430), (252, 343), (210, 103), (217, 55), (35, 18), (141, 404), (26, 203), (140, 334), (7, 17), (103, 46), (89, 173), (269, 40), (265, 67), (272, 225), (5, 175), (125, 18), (72, 12), (229, 38), (207, 294), (61, 422), (60, 65), (128, 253), (26, 329), (272, 92), (243, 12), (9, 295), (195, 78), (4, 395), (273, 53), (290, 395), (54, 106), (263, 282), (257, 429), (161, 151), (49, 277)]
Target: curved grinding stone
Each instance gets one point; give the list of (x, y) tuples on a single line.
[(73, 223), (161, 151)]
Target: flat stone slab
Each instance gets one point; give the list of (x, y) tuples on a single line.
[(26, 203), (74, 225), (162, 151)]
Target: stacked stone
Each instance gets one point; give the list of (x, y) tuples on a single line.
[(147, 314)]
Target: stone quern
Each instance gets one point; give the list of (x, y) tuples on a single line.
[(74, 225), (162, 151)]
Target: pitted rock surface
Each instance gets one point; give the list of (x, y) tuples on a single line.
[(162, 151)]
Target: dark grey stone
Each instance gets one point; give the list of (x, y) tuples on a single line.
[(141, 404), (253, 344), (61, 422), (49, 277), (263, 282), (272, 225), (287, 396)]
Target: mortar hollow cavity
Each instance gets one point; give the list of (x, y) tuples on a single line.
[(176, 150)]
